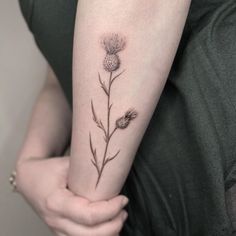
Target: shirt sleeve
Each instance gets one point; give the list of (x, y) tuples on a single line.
[(26, 7)]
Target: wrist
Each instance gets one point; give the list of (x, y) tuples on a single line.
[(25, 172), (25, 159)]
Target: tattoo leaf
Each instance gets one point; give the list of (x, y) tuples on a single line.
[(91, 147), (94, 153), (111, 158), (103, 86), (93, 162), (110, 106), (115, 77), (98, 122)]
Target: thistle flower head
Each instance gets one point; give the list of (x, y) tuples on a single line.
[(111, 62), (113, 43), (124, 121)]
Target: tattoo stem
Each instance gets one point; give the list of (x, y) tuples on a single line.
[(108, 130), (108, 105)]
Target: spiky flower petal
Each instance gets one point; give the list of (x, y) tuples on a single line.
[(131, 114), (113, 43)]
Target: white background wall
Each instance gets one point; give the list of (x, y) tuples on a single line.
[(22, 73)]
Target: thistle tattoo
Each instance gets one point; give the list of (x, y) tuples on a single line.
[(112, 44)]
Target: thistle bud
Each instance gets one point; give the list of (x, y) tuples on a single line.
[(111, 62), (124, 121)]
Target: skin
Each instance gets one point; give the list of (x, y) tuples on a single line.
[(63, 211), (151, 31), (79, 210)]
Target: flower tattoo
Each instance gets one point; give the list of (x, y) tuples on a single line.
[(112, 44)]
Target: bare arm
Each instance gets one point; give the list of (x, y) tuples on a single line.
[(50, 126), (123, 52), (43, 181)]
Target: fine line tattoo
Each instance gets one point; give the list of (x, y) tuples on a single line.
[(112, 44)]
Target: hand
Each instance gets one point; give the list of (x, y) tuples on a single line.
[(43, 183)]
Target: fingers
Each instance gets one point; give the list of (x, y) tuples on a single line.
[(82, 211), (110, 228), (105, 210)]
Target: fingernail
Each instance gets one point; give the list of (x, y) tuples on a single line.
[(125, 201)]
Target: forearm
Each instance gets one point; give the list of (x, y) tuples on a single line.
[(111, 115), (50, 124)]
